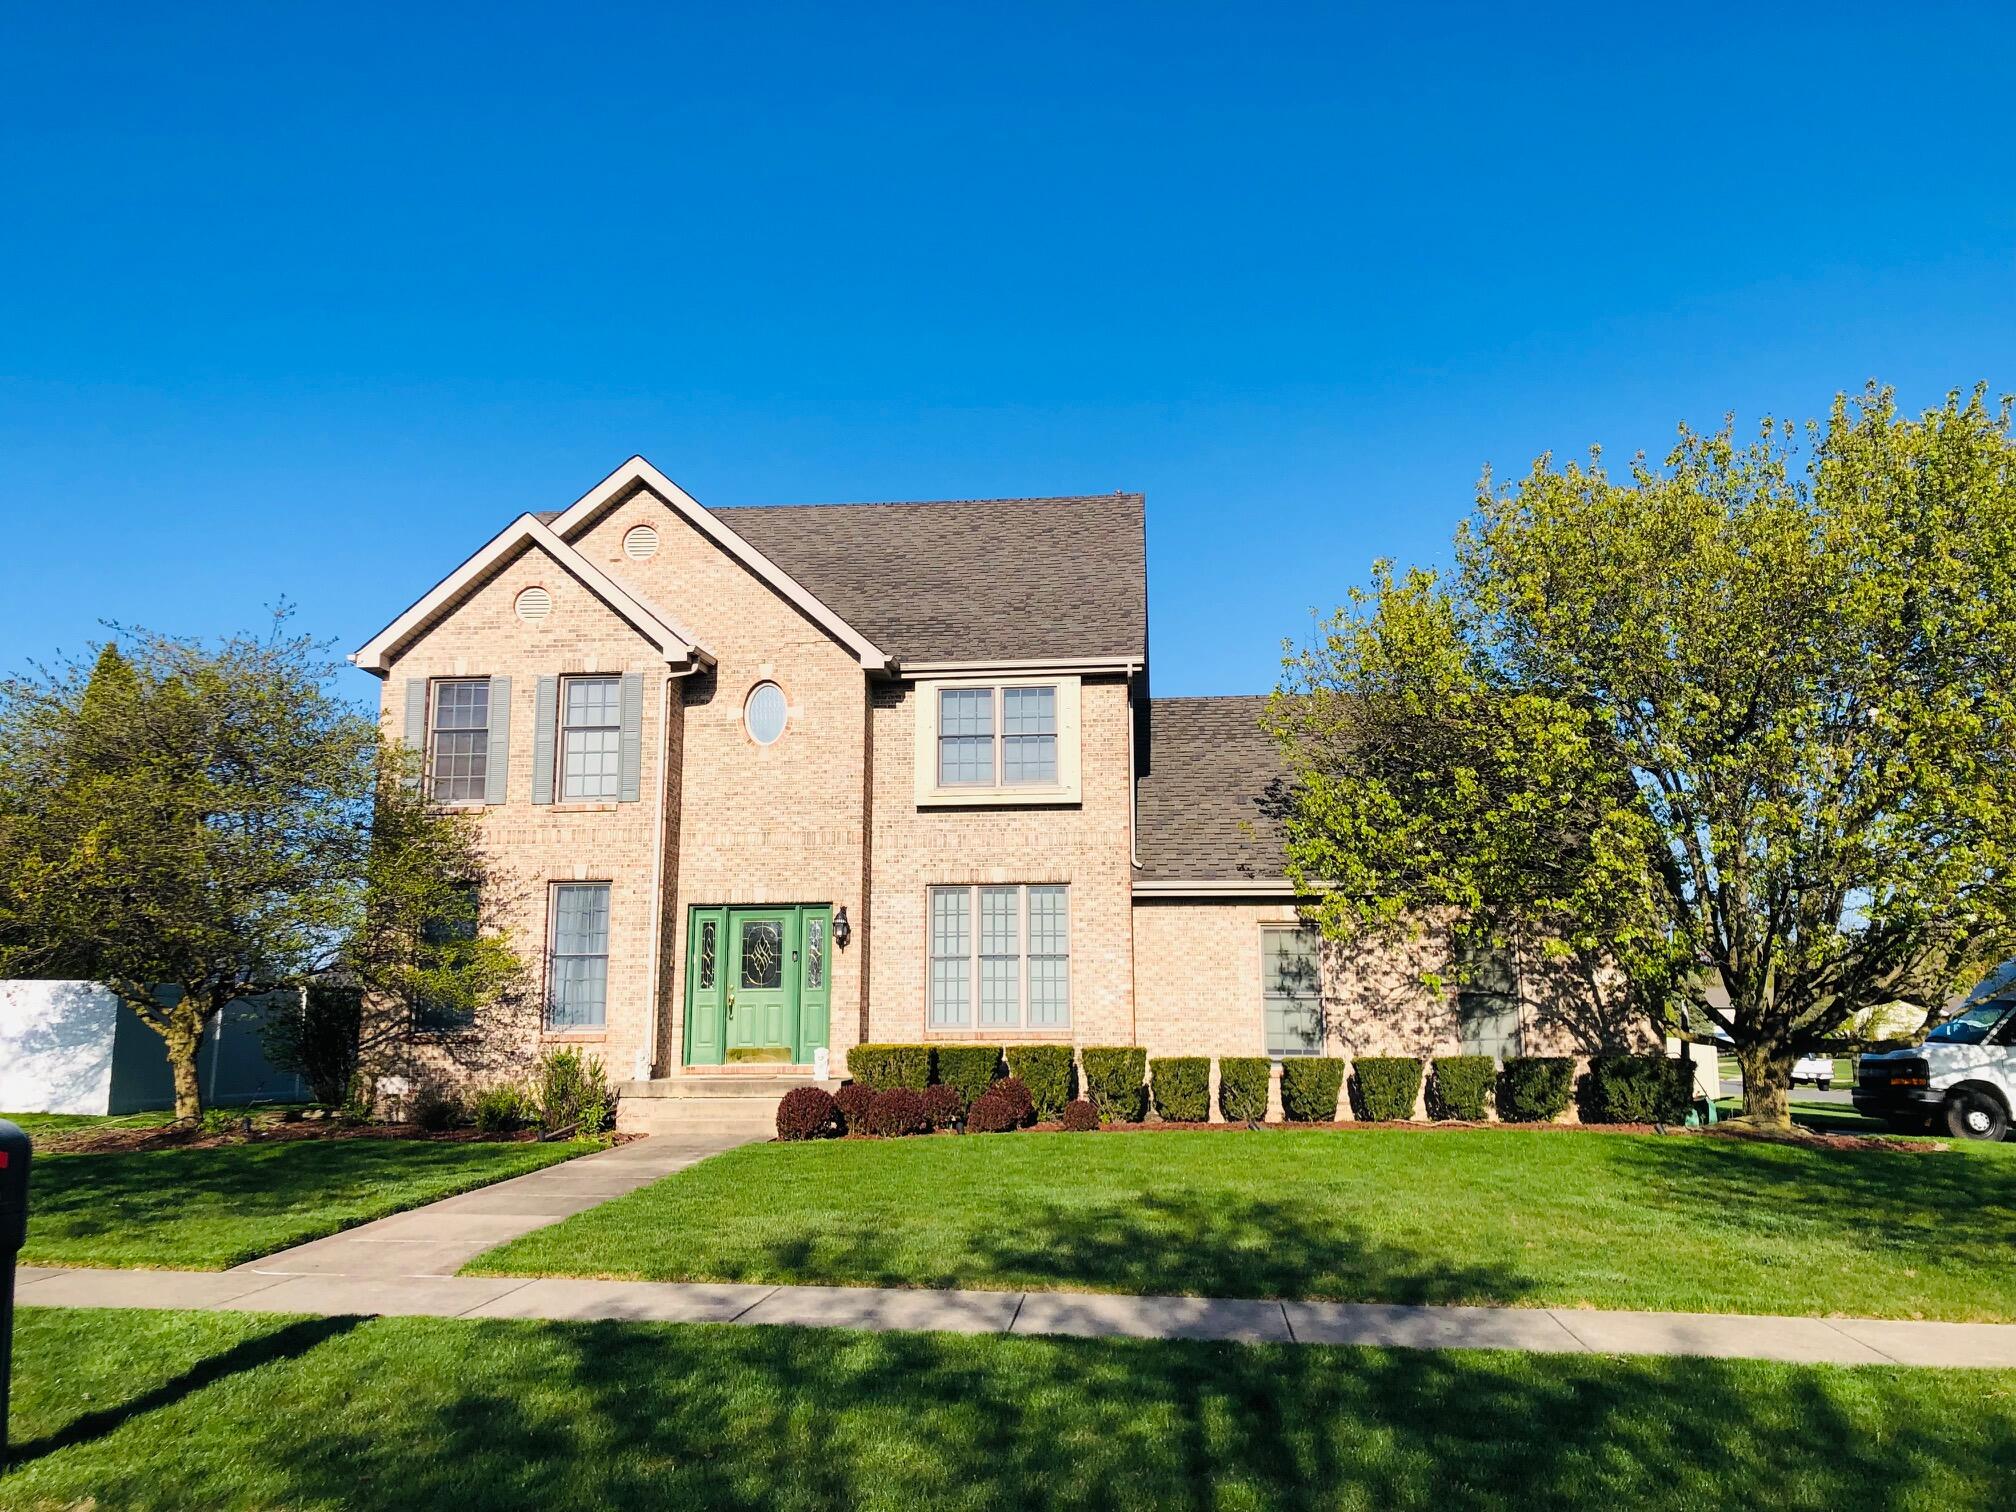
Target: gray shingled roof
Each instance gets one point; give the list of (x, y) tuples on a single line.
[(1209, 796), (970, 579)]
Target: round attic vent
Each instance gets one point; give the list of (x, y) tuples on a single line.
[(534, 604), (640, 542)]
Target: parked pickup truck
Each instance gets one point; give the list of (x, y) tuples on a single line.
[(1963, 1074)]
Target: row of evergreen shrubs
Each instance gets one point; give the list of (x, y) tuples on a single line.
[(1120, 1083)]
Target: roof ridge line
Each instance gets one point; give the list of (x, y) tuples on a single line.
[(1118, 493)]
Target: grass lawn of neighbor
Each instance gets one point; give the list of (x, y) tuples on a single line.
[(226, 1410), (1680, 1222), (41, 1126), (212, 1207)]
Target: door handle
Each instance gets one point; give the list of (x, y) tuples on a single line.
[(731, 1005)]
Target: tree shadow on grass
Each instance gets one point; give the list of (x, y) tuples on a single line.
[(432, 1413), (289, 1341), (1214, 1244)]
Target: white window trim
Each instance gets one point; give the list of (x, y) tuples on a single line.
[(560, 797), (1292, 926), (435, 732), (1069, 786), (971, 1027)]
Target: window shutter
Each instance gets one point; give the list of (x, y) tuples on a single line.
[(416, 720), (545, 715), (496, 768), (631, 750)]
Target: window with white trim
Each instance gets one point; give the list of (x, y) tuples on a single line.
[(1291, 991), (1000, 957), (591, 734), (459, 757), (1010, 730), (577, 994)]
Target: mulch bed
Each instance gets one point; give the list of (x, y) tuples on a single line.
[(1811, 1139), (183, 1137)]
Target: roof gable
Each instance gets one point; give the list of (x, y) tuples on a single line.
[(527, 533)]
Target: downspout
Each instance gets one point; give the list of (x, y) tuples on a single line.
[(658, 925), (1134, 857)]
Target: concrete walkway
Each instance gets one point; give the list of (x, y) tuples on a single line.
[(440, 1238), (1842, 1341)]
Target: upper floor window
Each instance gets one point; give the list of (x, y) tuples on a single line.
[(460, 757), (1012, 731), (1291, 991), (590, 738)]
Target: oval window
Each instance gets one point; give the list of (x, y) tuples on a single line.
[(763, 714)]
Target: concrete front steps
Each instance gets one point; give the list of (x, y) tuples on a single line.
[(725, 1100)]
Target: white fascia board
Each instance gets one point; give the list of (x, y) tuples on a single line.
[(678, 648), (1245, 887), (1069, 666), (583, 511)]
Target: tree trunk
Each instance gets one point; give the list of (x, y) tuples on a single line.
[(184, 1039), (1767, 1084)]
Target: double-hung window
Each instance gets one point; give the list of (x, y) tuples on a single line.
[(591, 733), (443, 945), (1000, 957), (1488, 1016), (460, 758), (578, 957), (1291, 991), (1010, 731)]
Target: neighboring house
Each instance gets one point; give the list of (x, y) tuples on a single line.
[(759, 783)]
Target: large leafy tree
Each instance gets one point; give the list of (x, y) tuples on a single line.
[(191, 824), (1741, 721)]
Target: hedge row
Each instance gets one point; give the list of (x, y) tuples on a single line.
[(1119, 1083)]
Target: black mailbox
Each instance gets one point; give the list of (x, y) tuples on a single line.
[(13, 1188)]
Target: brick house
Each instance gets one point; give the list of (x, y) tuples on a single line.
[(760, 784)]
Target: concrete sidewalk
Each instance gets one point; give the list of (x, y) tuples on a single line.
[(1841, 1341), (442, 1237)]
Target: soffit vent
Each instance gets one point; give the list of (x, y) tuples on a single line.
[(534, 604), (640, 542)]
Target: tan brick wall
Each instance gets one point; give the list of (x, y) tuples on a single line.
[(782, 823), (531, 847), (1084, 846)]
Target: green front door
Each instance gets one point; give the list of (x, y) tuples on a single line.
[(757, 983)]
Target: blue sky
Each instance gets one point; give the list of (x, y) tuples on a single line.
[(309, 301)]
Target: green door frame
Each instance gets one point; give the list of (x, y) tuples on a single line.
[(725, 1012)]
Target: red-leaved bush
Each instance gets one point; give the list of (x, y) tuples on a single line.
[(805, 1113), (942, 1106), (991, 1115), (1015, 1092), (851, 1103), (1080, 1116), (897, 1111)]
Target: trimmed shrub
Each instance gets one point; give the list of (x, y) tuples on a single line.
[(1384, 1087), (966, 1069), (943, 1106), (1014, 1092), (1535, 1088), (851, 1104), (1080, 1116), (503, 1108), (1242, 1087), (897, 1111), (1309, 1087), (805, 1113), (991, 1114), (574, 1093), (1461, 1087), (1115, 1082), (1046, 1070), (883, 1067), (1183, 1088), (1634, 1089), (436, 1111)]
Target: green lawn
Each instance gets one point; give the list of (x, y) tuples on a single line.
[(207, 1209), (1487, 1216), (43, 1125), (216, 1410)]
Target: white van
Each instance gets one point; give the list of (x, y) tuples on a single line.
[(1963, 1074)]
